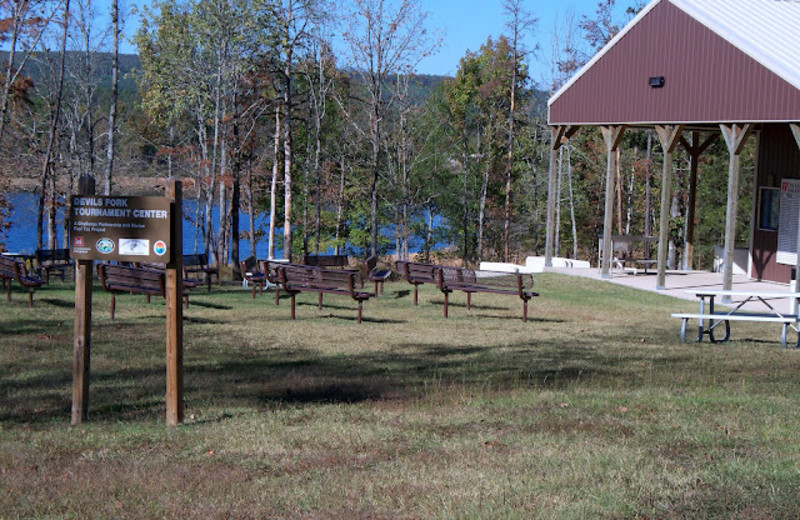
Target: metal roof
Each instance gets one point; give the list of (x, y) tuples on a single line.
[(765, 30)]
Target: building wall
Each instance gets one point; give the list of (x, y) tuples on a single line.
[(778, 158), (707, 79)]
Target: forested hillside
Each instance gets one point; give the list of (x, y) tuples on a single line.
[(252, 105)]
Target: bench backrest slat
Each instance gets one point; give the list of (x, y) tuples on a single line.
[(123, 278)]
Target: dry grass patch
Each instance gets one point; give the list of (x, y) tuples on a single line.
[(592, 409)]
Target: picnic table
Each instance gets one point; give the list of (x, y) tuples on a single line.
[(709, 318)]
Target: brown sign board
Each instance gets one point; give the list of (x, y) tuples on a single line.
[(128, 229)]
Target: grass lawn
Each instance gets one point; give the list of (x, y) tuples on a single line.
[(592, 409)]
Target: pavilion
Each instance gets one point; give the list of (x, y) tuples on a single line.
[(694, 70)]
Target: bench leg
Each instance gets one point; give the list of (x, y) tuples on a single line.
[(469, 301), (319, 302), (277, 295), (8, 291), (360, 304), (186, 301), (292, 305), (525, 311), (208, 281), (376, 288), (415, 295), (727, 333), (683, 330), (446, 302), (254, 291), (30, 298), (113, 305)]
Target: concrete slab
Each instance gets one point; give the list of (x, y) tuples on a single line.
[(681, 283)]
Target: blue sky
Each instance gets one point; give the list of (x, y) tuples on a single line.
[(465, 24)]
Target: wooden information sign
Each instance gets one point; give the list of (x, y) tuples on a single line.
[(128, 229)]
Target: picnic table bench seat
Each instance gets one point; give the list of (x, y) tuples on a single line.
[(118, 279), (197, 263), (53, 260), (449, 279), (295, 279), (13, 269)]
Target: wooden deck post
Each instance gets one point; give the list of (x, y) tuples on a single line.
[(695, 149), (735, 137), (82, 339), (795, 128), (612, 135), (669, 136), (174, 290), (558, 134)]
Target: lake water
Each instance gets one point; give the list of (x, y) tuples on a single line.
[(21, 236)]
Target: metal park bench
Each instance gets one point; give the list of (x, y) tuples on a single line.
[(375, 275), (417, 274), (198, 263), (250, 274), (12, 269), (328, 261), (470, 281), (270, 269), (53, 260), (295, 279), (118, 279)]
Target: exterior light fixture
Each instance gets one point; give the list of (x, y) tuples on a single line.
[(656, 82)]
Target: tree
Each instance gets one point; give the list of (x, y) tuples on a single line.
[(384, 41), (519, 22), (112, 109)]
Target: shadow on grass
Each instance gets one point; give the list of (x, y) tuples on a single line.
[(209, 305), (57, 302)]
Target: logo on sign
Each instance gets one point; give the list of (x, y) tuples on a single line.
[(105, 246), (160, 247), (134, 246), (77, 241)]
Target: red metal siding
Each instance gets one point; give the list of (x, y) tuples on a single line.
[(706, 79), (778, 158)]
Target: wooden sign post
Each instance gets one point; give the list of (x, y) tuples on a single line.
[(82, 343), (130, 229), (174, 283)]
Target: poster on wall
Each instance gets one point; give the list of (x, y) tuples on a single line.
[(788, 221)]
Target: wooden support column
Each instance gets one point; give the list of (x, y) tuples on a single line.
[(612, 135), (695, 149), (174, 287), (735, 138), (82, 339), (558, 136), (669, 136), (795, 128)]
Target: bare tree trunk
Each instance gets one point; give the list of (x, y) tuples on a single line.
[(251, 212), (340, 202), (482, 210), (47, 167), (112, 110), (273, 191), (287, 161)]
